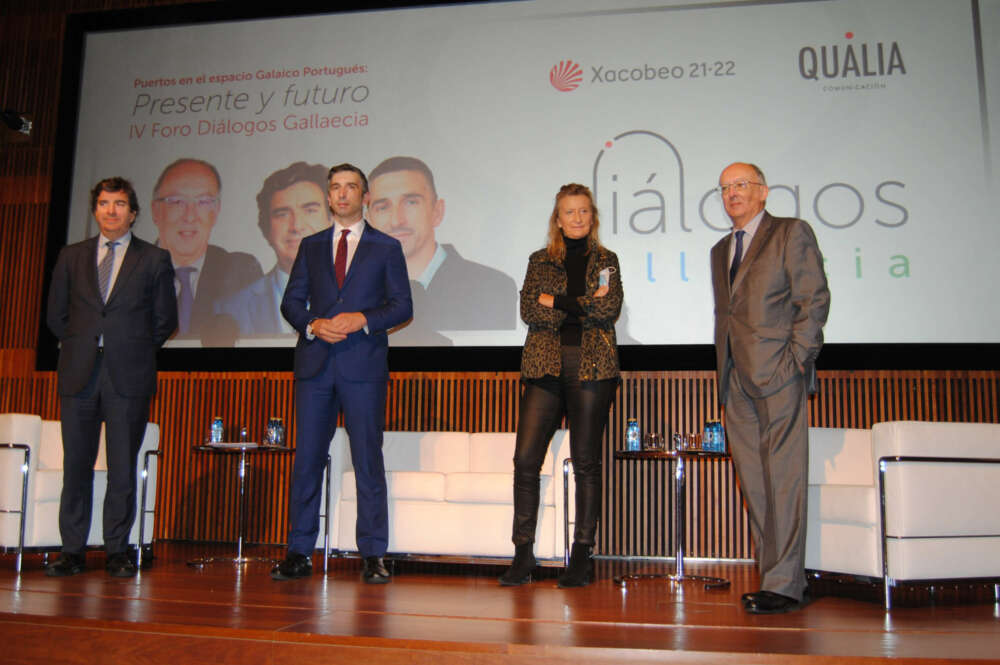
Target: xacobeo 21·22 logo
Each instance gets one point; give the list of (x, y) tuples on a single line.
[(566, 76)]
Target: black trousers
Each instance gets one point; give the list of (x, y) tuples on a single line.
[(585, 405), (124, 419)]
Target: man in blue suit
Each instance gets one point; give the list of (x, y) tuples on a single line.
[(347, 288)]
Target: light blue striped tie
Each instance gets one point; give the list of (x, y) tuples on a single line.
[(104, 269)]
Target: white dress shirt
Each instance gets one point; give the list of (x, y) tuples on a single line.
[(748, 231), (353, 238)]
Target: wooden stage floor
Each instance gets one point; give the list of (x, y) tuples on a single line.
[(435, 614)]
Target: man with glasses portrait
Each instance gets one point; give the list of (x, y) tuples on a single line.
[(186, 204)]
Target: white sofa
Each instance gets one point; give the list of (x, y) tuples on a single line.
[(450, 493), (40, 512), (905, 501)]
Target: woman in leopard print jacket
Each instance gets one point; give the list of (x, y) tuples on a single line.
[(571, 297)]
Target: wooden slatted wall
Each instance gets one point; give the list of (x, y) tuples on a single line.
[(197, 491)]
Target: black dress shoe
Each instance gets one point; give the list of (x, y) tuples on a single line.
[(66, 565), (768, 602), (293, 567), (374, 571), (120, 564), (750, 597)]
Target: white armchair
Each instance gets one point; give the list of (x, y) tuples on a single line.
[(905, 501), (20, 434), (31, 520)]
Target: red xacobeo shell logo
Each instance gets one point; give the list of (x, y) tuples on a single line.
[(566, 76)]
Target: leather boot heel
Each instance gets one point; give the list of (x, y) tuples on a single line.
[(580, 571), (521, 567)]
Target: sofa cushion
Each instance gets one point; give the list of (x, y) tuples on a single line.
[(936, 439), (491, 451), (494, 451), (840, 456), (491, 488), (46, 485), (944, 558), (443, 452), (930, 499), (462, 529), (20, 428), (50, 452), (414, 485), (479, 487), (844, 548), (844, 504)]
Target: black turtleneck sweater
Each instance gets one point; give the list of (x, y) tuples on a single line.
[(575, 263)]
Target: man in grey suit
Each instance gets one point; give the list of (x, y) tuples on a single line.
[(112, 306), (771, 302)]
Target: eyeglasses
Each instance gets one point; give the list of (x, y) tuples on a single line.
[(739, 186), (178, 204)]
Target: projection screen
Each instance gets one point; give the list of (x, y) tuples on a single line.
[(871, 119)]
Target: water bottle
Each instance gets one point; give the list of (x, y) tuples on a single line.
[(633, 440), (708, 437), (279, 432), (218, 432), (720, 437)]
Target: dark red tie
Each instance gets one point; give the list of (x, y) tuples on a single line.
[(340, 259)]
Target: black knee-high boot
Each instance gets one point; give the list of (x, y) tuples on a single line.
[(580, 571)]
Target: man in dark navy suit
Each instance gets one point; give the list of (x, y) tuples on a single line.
[(347, 288), (112, 306)]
